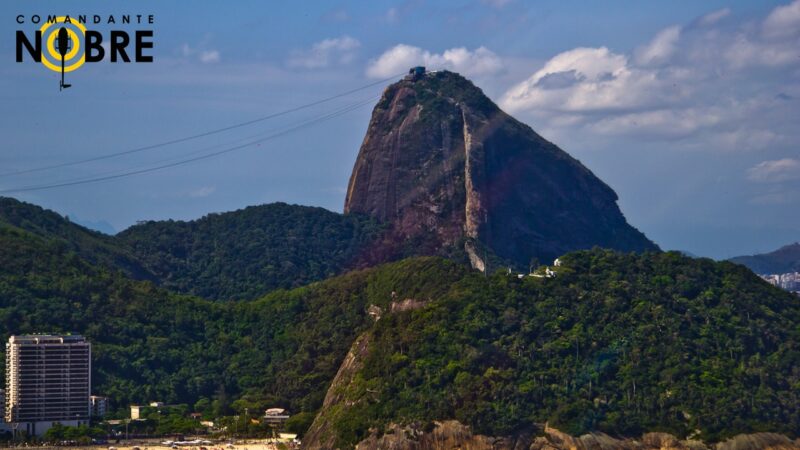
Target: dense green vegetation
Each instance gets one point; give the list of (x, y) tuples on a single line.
[(81, 434), (618, 343), (150, 344), (246, 253), (232, 256), (92, 246)]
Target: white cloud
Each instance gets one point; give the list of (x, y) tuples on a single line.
[(744, 52), (726, 84), (661, 48), (783, 20), (186, 50), (583, 80), (399, 58), (209, 56), (325, 53), (664, 123), (714, 16), (204, 56), (775, 171), (746, 138)]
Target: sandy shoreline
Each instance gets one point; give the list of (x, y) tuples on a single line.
[(255, 444)]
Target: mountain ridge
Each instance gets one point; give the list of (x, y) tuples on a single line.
[(223, 256), (783, 260), (493, 352)]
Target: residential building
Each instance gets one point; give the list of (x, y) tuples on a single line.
[(98, 406), (48, 381), (4, 426), (136, 411), (276, 417), (789, 281)]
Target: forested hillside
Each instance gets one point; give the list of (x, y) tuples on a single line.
[(91, 245), (246, 253), (151, 344), (229, 256), (622, 344)]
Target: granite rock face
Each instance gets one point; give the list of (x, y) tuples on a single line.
[(450, 434), (446, 168)]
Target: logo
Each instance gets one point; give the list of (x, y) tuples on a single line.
[(64, 44)]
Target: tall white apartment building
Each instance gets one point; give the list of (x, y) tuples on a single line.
[(48, 381)]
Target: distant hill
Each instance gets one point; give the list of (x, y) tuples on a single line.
[(149, 343), (235, 255), (93, 246), (96, 225), (246, 253), (783, 260)]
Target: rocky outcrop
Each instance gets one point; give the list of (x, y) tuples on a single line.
[(321, 434), (759, 441), (446, 168), (408, 304), (454, 435), (449, 434)]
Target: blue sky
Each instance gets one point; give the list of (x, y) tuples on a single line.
[(687, 109)]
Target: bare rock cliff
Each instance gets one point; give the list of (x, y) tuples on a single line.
[(447, 168)]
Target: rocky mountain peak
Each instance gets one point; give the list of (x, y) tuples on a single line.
[(447, 169)]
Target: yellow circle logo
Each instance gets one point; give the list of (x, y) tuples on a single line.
[(74, 56)]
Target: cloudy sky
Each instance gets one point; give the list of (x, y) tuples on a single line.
[(689, 110)]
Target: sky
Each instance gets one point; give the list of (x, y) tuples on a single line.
[(689, 110)]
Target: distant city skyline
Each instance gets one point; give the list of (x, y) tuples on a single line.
[(686, 109)]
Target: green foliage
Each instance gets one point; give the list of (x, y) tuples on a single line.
[(81, 434), (92, 246), (299, 423), (232, 256), (617, 343), (175, 423), (152, 345), (444, 84), (246, 253)]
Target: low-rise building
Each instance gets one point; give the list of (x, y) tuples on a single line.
[(276, 417), (136, 411), (98, 406)]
